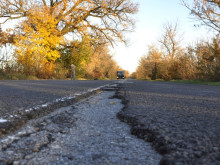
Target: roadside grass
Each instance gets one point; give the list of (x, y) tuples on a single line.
[(19, 76), (198, 82), (16, 76)]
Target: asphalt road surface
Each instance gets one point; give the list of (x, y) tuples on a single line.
[(182, 121), (21, 101), (86, 133), (15, 95)]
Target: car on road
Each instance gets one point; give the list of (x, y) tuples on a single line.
[(120, 75)]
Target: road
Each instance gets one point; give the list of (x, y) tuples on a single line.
[(86, 132), (16, 95), (24, 100), (182, 121)]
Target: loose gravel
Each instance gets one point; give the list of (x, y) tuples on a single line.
[(86, 133), (182, 121)]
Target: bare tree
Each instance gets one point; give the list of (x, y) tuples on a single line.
[(171, 40), (207, 11)]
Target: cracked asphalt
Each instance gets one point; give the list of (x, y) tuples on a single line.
[(182, 121), (85, 133), (176, 124), (23, 100)]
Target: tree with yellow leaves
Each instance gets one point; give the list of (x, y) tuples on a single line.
[(37, 45), (46, 22), (105, 20)]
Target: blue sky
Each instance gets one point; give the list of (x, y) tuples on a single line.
[(152, 15)]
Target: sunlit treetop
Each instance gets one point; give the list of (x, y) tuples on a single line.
[(207, 11), (103, 20)]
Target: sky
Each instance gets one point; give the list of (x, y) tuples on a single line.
[(152, 15)]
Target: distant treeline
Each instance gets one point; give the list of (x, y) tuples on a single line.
[(168, 59)]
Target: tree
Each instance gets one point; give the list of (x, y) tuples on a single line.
[(208, 56), (127, 74), (207, 11), (6, 37), (77, 53), (40, 37), (171, 40), (171, 45), (142, 71), (187, 64), (101, 64), (103, 20), (6, 41), (38, 43), (154, 57)]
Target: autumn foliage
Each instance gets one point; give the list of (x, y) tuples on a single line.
[(42, 46), (37, 45), (171, 60), (101, 64)]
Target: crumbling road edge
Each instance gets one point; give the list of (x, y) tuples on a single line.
[(23, 116)]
